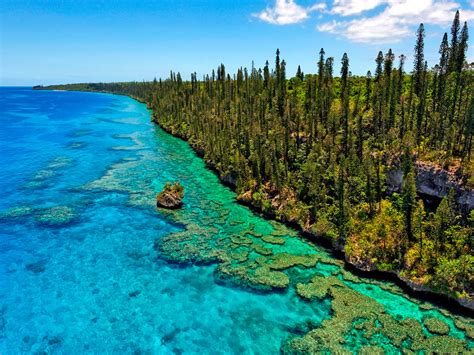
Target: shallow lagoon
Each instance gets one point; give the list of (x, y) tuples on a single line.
[(89, 265)]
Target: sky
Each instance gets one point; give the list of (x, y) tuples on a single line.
[(68, 41)]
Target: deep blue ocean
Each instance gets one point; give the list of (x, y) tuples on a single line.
[(79, 271)]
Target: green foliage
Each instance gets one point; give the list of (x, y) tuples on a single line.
[(455, 275), (174, 188), (315, 150)]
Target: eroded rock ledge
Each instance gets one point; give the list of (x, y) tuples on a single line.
[(433, 181)]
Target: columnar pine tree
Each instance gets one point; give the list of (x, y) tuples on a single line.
[(455, 28), (418, 77), (345, 102)]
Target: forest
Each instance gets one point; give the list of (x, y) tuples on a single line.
[(316, 151)]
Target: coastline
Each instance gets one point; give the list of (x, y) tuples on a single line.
[(412, 289)]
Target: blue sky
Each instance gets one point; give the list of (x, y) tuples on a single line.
[(65, 41)]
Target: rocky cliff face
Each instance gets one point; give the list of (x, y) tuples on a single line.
[(434, 182)]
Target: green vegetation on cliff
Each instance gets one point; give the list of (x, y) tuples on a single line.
[(316, 151)]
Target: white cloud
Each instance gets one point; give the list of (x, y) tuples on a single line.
[(286, 12), (329, 27), (368, 30), (398, 20), (353, 7), (370, 21)]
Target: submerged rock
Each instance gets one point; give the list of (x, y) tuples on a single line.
[(16, 212), (56, 216), (171, 196), (36, 267)]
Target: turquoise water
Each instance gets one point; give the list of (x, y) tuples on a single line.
[(81, 267)]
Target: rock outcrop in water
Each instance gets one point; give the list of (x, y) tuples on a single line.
[(171, 197)]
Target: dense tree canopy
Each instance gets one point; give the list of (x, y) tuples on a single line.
[(315, 150)]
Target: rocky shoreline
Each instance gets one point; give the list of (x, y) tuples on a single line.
[(394, 180), (415, 289)]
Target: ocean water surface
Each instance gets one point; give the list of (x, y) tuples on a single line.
[(89, 265)]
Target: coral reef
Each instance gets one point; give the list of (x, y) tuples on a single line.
[(56, 216), (436, 326), (273, 240), (355, 313), (16, 212), (43, 177), (318, 287), (283, 261)]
